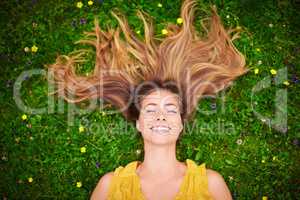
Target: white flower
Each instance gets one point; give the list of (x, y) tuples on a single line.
[(138, 151), (239, 141)]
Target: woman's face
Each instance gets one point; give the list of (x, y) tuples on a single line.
[(160, 120)]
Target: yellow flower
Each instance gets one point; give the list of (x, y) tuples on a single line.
[(256, 71), (81, 128), (82, 149), (159, 5), (34, 25), (30, 179), (90, 3), (24, 116), (103, 113), (78, 184), (274, 158), (263, 161), (257, 49), (264, 198), (138, 31), (286, 83), (273, 71), (79, 4), (26, 49), (34, 48), (164, 31), (179, 20), (239, 28), (17, 139)]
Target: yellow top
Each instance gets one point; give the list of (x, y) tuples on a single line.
[(125, 184)]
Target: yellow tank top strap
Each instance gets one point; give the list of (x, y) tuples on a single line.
[(195, 183), (124, 183), (194, 167), (128, 170)]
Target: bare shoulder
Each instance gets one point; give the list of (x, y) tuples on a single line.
[(217, 185), (101, 190)]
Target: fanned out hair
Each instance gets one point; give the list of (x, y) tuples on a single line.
[(127, 68)]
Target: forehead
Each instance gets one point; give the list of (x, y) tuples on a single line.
[(160, 97)]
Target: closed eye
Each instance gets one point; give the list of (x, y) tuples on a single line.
[(150, 111), (172, 111)]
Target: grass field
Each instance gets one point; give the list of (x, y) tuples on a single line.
[(250, 133)]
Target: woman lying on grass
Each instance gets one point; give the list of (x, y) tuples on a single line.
[(156, 85)]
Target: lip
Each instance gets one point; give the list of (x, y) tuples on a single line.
[(162, 126)]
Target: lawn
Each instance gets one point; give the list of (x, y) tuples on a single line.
[(249, 133)]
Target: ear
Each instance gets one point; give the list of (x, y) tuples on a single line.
[(181, 127), (137, 124)]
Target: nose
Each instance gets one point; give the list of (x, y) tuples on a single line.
[(161, 116)]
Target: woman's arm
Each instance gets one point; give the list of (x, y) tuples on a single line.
[(101, 190), (217, 186)]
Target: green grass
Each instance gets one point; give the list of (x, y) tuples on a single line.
[(47, 148)]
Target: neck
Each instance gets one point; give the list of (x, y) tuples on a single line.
[(159, 160)]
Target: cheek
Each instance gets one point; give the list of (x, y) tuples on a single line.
[(145, 122), (176, 123)]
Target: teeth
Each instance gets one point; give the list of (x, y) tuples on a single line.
[(160, 128)]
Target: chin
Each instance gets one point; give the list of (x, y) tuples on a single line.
[(160, 138)]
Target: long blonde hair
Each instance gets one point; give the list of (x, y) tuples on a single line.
[(197, 65)]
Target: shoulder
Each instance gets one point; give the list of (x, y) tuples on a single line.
[(217, 185), (213, 175), (101, 190)]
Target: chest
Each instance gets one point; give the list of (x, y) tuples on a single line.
[(157, 190)]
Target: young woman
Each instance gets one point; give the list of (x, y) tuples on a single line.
[(157, 86), (161, 175)]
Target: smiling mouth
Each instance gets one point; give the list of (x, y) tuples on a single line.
[(161, 129)]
